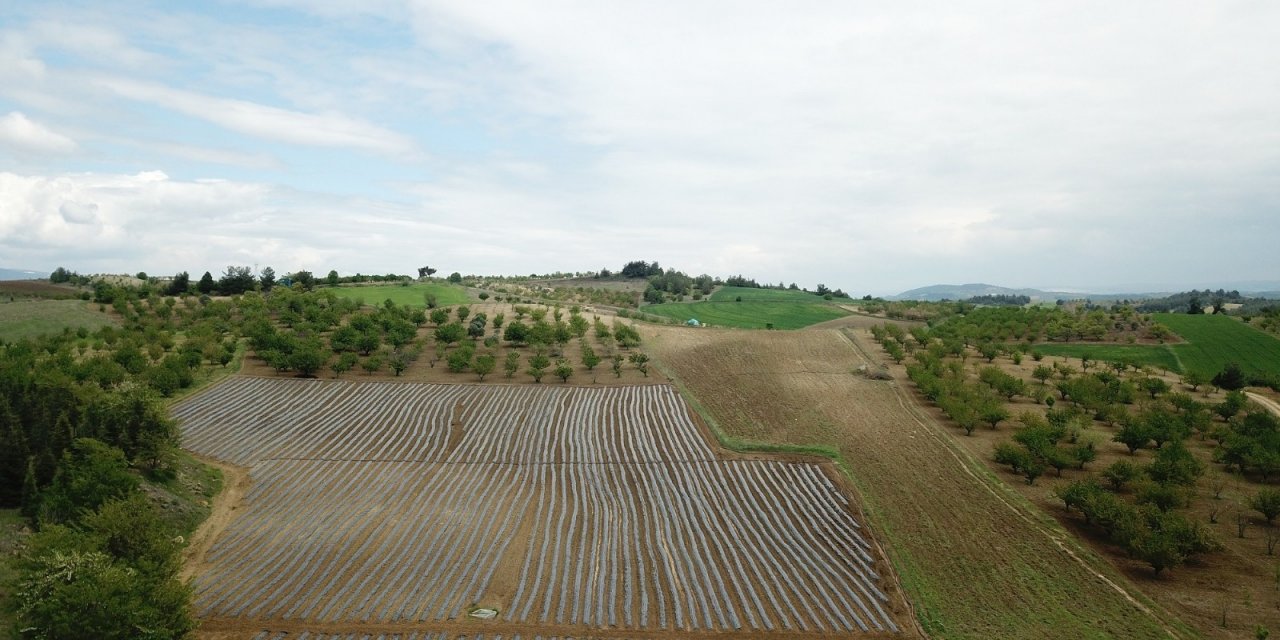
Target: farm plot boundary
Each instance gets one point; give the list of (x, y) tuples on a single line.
[(974, 567), (561, 507)]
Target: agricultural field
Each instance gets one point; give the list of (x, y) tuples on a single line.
[(413, 295), (1215, 340), (758, 309), (14, 290), (29, 318), (1211, 341), (754, 294), (400, 507), (976, 558), (747, 315), (1221, 579)]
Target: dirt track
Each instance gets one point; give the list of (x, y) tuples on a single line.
[(1266, 402), (980, 560), (235, 481)]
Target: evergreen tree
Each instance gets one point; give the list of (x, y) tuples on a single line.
[(206, 284), (30, 491), (14, 453)]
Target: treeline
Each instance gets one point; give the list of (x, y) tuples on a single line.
[(82, 431), (234, 281), (1195, 301), (672, 285), (61, 275), (1139, 506), (1002, 299)]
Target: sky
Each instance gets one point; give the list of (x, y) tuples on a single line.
[(869, 146)]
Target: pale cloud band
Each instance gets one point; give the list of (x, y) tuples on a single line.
[(870, 146), (20, 133)]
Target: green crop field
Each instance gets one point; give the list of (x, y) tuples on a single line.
[(749, 294), (29, 318), (412, 295), (1213, 341), (1161, 357), (748, 315)]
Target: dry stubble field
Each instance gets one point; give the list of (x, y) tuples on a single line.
[(977, 560), (391, 509)]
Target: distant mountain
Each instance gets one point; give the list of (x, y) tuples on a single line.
[(938, 292), (934, 293), (15, 274)]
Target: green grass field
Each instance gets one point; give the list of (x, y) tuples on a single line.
[(412, 295), (749, 294), (748, 315), (1158, 356), (1213, 341), (30, 318)]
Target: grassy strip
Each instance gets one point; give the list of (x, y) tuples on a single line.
[(1215, 340), (413, 295), (31, 318), (1159, 356), (749, 315)]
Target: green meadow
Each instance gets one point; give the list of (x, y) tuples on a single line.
[(758, 309), (29, 318)]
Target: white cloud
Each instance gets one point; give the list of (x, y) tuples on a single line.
[(95, 43), (267, 122), (18, 131)]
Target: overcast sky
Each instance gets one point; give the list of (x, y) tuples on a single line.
[(870, 146)]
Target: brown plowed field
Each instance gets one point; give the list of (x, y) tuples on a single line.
[(976, 558), (394, 508)]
